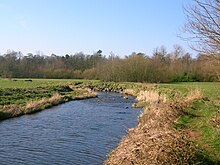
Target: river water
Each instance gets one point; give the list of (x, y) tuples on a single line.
[(78, 132)]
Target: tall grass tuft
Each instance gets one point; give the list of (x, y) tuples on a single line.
[(194, 94), (37, 105), (151, 97)]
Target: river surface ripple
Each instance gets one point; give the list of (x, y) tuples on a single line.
[(75, 133)]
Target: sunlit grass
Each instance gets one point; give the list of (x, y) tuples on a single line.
[(33, 83), (199, 116)]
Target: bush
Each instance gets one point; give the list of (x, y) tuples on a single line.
[(185, 77)]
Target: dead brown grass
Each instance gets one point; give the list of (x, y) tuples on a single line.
[(154, 140), (37, 105), (85, 95), (194, 94), (11, 110), (215, 121), (151, 97), (129, 92)]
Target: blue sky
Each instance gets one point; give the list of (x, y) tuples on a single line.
[(70, 26)]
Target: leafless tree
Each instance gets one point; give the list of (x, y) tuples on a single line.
[(202, 27)]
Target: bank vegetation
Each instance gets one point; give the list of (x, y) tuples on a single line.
[(19, 101), (175, 127)]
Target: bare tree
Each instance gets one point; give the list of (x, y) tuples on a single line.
[(202, 28)]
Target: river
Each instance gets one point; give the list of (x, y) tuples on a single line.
[(79, 132)]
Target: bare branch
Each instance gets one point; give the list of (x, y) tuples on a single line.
[(203, 26)]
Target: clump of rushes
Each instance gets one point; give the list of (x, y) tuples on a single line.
[(151, 97), (8, 111), (194, 94), (43, 103)]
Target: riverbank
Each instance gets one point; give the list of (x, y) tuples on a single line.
[(36, 96), (26, 96), (154, 140), (161, 137)]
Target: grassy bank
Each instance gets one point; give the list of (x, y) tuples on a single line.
[(25, 96), (202, 119), (179, 125)]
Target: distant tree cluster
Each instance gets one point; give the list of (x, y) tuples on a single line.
[(137, 67), (176, 66)]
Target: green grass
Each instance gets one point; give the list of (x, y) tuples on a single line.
[(199, 116), (19, 91), (25, 83), (10, 96), (209, 89)]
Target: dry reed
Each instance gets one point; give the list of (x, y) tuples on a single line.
[(154, 140), (194, 94), (151, 97), (36, 105)]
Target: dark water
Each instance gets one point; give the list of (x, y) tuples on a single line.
[(77, 132)]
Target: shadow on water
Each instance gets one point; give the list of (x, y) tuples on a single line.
[(77, 132)]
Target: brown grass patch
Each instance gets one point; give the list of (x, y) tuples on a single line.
[(154, 140), (130, 92), (11, 110), (151, 97), (37, 105), (194, 94), (193, 135), (87, 94), (215, 121)]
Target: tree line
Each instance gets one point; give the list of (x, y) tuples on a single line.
[(161, 66)]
